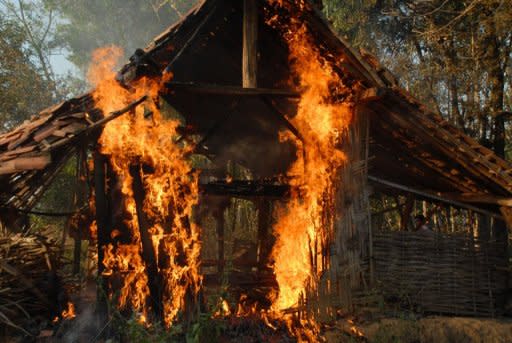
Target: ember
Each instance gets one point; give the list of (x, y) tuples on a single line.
[(69, 312)]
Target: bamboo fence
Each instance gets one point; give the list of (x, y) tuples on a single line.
[(440, 273)]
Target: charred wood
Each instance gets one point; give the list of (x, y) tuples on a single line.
[(229, 90), (242, 188), (148, 251)]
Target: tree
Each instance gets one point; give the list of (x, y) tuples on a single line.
[(23, 90), (459, 50)]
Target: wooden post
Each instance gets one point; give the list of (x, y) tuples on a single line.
[(102, 221), (79, 198), (148, 251), (406, 212), (219, 219), (250, 44), (264, 214), (77, 253)]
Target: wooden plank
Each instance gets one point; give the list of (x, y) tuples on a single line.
[(13, 153), (59, 133), (370, 94), (450, 137), (25, 163), (242, 189), (250, 44), (440, 138), (73, 127), (19, 141), (9, 137), (432, 196), (479, 198), (229, 90), (44, 133)]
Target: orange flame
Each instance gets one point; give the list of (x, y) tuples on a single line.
[(303, 228), (170, 190), (69, 312)]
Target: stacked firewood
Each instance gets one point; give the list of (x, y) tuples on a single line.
[(30, 290)]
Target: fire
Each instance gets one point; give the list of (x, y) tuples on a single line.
[(223, 309), (303, 228), (354, 330), (69, 312), (170, 191)]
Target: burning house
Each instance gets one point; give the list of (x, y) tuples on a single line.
[(257, 109)]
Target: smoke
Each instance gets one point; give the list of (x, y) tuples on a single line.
[(83, 328), (129, 24)]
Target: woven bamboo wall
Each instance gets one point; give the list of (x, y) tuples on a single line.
[(348, 241), (441, 273)]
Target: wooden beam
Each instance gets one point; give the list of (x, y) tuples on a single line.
[(479, 198), (190, 39), (282, 118), (102, 222), (451, 141), (432, 196), (243, 189), (229, 90), (25, 163), (370, 94), (507, 217), (103, 121), (148, 251), (250, 45), (438, 137)]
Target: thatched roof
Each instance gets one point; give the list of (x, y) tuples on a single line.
[(409, 143)]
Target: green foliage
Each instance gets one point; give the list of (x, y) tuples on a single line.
[(23, 90), (205, 329), (453, 55)]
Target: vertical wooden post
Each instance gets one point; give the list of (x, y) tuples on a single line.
[(79, 198), (102, 222), (406, 212), (264, 214), (77, 254), (219, 219), (148, 251), (250, 44)]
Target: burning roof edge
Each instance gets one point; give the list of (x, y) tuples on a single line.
[(25, 142)]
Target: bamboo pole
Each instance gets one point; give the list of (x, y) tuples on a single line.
[(433, 196)]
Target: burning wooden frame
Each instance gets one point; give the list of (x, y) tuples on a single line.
[(236, 109)]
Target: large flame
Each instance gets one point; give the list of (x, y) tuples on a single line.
[(170, 188), (303, 227)]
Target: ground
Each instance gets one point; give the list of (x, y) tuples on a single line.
[(433, 329)]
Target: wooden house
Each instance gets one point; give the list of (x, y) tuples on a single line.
[(230, 84)]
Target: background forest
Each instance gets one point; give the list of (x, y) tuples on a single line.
[(453, 55)]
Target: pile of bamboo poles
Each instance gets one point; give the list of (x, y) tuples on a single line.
[(439, 273), (26, 279)]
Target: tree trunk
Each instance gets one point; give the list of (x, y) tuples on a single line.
[(496, 80)]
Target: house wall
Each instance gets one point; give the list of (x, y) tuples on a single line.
[(349, 242)]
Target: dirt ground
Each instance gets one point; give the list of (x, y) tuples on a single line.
[(437, 330)]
